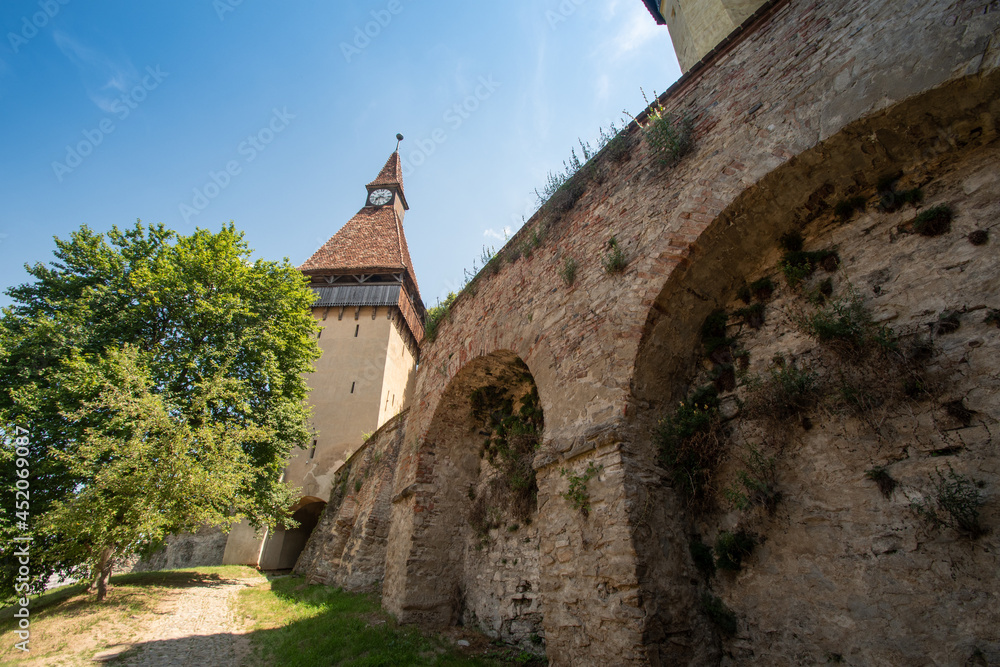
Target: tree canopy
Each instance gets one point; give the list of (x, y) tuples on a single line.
[(160, 380)]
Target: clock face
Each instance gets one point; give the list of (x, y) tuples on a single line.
[(380, 197)]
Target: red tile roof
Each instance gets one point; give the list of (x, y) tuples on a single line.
[(373, 239), (391, 174), (372, 242)]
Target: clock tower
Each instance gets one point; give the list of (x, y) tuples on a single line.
[(372, 318)]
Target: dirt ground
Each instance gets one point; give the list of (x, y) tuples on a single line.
[(195, 626)]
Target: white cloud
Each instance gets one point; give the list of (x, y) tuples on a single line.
[(612, 8), (637, 29), (502, 235), (603, 87), (104, 79)]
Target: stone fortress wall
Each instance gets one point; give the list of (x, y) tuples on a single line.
[(814, 104)]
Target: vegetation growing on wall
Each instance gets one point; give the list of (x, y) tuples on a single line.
[(731, 547), (846, 326), (756, 483), (781, 394), (798, 264), (669, 136), (436, 314), (886, 484), (859, 367), (510, 492), (614, 261), (954, 500), (558, 196), (568, 271), (691, 442), (979, 237), (577, 495), (890, 198), (934, 221), (846, 208)]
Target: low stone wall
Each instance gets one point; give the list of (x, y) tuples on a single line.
[(347, 547), (203, 548)]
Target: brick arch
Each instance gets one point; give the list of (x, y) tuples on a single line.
[(474, 554), (925, 132), (924, 128)]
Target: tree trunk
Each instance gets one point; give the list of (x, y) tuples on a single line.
[(103, 573)]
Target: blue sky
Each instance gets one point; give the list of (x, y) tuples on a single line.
[(194, 113)]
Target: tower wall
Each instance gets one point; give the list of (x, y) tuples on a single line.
[(364, 377), (400, 371), (360, 382), (697, 26)]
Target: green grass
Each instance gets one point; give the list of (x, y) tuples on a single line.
[(291, 624), (68, 627), (298, 625)]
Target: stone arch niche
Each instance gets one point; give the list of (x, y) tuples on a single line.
[(282, 547), (944, 141), (478, 539)]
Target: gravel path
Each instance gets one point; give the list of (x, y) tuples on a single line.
[(196, 626)]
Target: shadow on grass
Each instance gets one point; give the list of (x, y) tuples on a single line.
[(298, 625), (121, 593), (292, 624)]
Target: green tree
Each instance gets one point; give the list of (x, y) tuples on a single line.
[(160, 380)]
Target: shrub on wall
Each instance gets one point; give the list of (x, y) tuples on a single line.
[(954, 501), (577, 495), (847, 325), (436, 315), (614, 262), (691, 443), (732, 547), (670, 136), (512, 437)]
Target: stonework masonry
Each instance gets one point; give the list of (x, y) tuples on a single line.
[(348, 546), (815, 104)]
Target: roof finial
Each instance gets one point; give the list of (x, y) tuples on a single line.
[(399, 138)]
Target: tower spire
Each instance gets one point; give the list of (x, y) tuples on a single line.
[(391, 177)]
